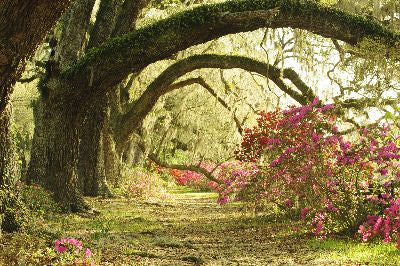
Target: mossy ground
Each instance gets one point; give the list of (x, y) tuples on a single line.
[(189, 230)]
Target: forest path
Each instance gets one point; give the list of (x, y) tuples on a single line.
[(192, 229)]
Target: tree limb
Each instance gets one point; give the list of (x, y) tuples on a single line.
[(163, 84), (193, 168), (200, 81), (136, 50)]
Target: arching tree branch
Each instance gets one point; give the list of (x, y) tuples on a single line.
[(200, 81), (115, 59), (163, 84), (183, 167)]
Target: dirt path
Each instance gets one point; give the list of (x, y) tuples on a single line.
[(193, 229), (189, 230)]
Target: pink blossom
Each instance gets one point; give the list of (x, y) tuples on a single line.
[(318, 229), (88, 253), (59, 247), (304, 212)]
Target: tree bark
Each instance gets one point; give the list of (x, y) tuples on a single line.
[(23, 25), (9, 203), (91, 160)]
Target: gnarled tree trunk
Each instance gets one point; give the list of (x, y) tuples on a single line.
[(55, 151), (23, 25)]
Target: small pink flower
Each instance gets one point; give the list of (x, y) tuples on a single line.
[(318, 229), (304, 212), (88, 253), (59, 247)]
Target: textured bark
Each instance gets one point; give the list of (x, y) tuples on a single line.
[(23, 25), (72, 42), (61, 139), (105, 21), (38, 161), (91, 161), (112, 158), (8, 170), (127, 17)]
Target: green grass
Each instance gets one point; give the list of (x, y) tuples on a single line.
[(191, 229), (352, 251)]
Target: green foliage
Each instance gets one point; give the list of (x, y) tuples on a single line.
[(14, 213), (38, 200)]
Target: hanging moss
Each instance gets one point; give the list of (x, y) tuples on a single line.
[(179, 26)]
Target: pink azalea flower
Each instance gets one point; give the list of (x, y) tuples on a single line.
[(88, 253), (59, 247)]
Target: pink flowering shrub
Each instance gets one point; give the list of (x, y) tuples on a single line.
[(235, 177), (190, 179), (142, 184), (71, 250), (386, 225), (332, 181)]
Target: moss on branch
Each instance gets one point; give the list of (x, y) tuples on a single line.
[(108, 64)]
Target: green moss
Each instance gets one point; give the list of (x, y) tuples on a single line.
[(179, 25)]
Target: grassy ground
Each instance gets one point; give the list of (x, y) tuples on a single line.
[(191, 229)]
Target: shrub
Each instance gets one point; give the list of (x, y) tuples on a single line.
[(140, 183), (38, 200), (307, 167)]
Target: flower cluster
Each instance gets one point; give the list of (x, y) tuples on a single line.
[(386, 225), (74, 248), (334, 181)]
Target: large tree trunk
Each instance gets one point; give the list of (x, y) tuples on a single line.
[(55, 151), (23, 25), (91, 162), (10, 208)]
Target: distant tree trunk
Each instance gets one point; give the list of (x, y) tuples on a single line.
[(37, 165)]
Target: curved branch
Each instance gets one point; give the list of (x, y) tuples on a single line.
[(163, 84), (115, 59), (183, 167), (200, 81), (367, 102)]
